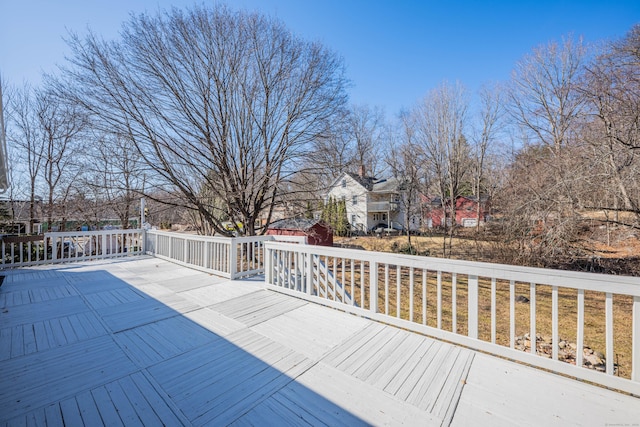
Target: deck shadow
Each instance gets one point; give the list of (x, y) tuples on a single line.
[(112, 354)]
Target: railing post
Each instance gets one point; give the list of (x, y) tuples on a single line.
[(268, 270), (309, 258), (54, 247), (143, 246), (373, 286), (233, 258), (473, 306), (205, 255), (103, 249), (635, 341), (185, 250)]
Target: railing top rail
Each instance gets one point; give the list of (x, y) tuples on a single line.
[(92, 233), (570, 279), (189, 236), (242, 239)]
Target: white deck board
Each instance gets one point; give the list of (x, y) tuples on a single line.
[(219, 292), (331, 327), (154, 342), (39, 311), (215, 322), (144, 342), (362, 403), (257, 307), (502, 392), (133, 314)]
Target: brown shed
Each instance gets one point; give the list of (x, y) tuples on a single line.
[(316, 232)]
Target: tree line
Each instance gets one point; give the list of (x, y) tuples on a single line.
[(220, 118)]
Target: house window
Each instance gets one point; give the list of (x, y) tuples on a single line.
[(353, 220), (379, 217), (344, 183), (354, 200)]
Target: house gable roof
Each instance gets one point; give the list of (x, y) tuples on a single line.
[(369, 183), (353, 176)]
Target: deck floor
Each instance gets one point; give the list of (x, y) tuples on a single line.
[(146, 342)]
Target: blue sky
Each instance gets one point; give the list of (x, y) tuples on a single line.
[(395, 51)]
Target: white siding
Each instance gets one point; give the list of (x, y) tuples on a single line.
[(352, 188), (364, 220)]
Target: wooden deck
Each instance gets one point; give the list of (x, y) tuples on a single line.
[(146, 342)]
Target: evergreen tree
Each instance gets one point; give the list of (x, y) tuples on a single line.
[(341, 224)]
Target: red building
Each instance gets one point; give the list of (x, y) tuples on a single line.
[(316, 232), (466, 212)]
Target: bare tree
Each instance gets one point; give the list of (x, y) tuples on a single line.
[(405, 165), (118, 175), (367, 132), (216, 103), (29, 138), (541, 202), (440, 120), (543, 98), (4, 175), (491, 111), (612, 87), (60, 126)]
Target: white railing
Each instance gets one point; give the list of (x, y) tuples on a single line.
[(23, 251), (231, 257), (479, 305)]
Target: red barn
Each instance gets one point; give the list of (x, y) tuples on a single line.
[(316, 232), (466, 212)]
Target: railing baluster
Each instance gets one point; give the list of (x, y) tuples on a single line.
[(373, 291), (424, 297), (472, 309), (398, 285), (335, 277), (609, 332), (296, 272), (454, 304), (532, 318), (554, 323), (580, 332), (493, 310), (635, 340), (512, 314), (411, 284), (439, 300), (353, 295), (289, 277), (342, 280), (309, 280), (362, 284), (386, 288)]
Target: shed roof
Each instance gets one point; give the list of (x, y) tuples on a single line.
[(293, 224)]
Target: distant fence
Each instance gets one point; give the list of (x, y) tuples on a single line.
[(498, 309), (58, 247), (231, 257)]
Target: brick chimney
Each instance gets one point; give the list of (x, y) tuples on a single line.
[(361, 171)]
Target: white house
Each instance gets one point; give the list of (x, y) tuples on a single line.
[(370, 202)]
